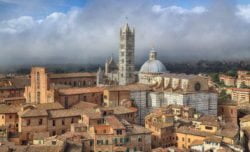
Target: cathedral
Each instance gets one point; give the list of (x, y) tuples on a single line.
[(166, 88), (124, 72)]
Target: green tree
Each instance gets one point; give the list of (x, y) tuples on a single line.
[(243, 85)]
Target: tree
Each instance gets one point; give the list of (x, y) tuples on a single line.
[(232, 73), (243, 85)]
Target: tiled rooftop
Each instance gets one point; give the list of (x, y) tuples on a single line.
[(72, 91), (114, 122), (9, 108), (71, 75), (84, 105), (33, 113), (131, 87), (62, 113)]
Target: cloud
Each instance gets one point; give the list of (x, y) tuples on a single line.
[(178, 9), (244, 12), (90, 34)]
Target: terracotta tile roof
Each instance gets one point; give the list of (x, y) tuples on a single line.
[(15, 83), (13, 98), (33, 113), (131, 87), (246, 118), (196, 142), (139, 130), (92, 113), (162, 125), (241, 90), (120, 148), (62, 113), (114, 122), (192, 131), (120, 110), (160, 149), (43, 148), (84, 105), (229, 132), (209, 120), (71, 75), (50, 106), (9, 108), (40, 135), (72, 91), (72, 135), (213, 139)]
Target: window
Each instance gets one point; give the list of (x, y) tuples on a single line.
[(54, 123), (10, 117), (63, 122), (107, 142), (40, 122), (91, 143), (53, 133), (72, 120), (53, 142), (99, 142), (38, 97), (28, 122), (189, 140), (2, 116), (208, 128), (105, 97), (139, 139), (182, 138), (118, 132), (63, 131)]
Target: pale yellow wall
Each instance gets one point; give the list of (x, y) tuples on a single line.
[(203, 128)]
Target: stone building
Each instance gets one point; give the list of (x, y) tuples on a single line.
[(9, 117), (51, 118), (12, 87), (228, 80), (43, 84), (113, 134), (243, 79), (240, 95), (71, 96), (161, 122), (228, 111)]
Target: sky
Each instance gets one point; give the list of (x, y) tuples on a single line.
[(87, 31)]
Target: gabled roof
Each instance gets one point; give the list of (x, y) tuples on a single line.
[(33, 113), (62, 113), (9, 108), (71, 75)]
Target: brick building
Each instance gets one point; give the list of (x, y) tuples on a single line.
[(43, 84)]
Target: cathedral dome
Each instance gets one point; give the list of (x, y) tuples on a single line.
[(153, 65)]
